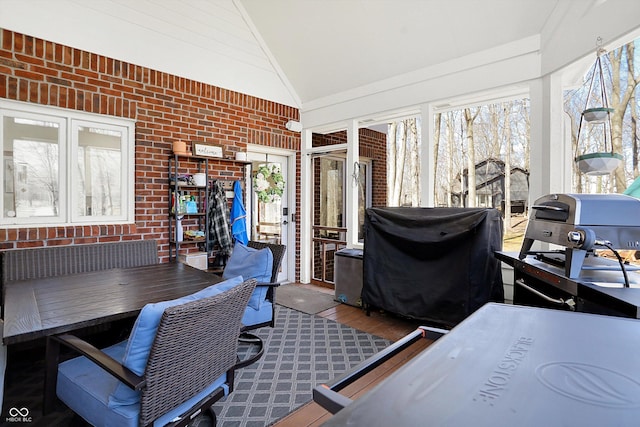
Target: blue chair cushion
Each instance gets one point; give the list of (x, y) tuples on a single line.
[(85, 387), (251, 263), (256, 317), (144, 332)]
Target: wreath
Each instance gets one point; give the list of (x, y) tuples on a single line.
[(269, 183)]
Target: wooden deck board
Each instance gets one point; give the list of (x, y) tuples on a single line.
[(379, 324)]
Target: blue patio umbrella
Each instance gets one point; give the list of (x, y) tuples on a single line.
[(238, 216), (634, 189)]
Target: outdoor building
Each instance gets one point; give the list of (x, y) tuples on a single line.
[(490, 187)]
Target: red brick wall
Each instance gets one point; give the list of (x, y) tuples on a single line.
[(165, 107)]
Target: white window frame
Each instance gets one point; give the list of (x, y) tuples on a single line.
[(69, 121)]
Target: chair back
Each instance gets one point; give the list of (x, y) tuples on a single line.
[(278, 252), (195, 344)]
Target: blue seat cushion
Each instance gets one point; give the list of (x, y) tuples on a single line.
[(251, 263), (143, 333), (85, 388), (257, 317)]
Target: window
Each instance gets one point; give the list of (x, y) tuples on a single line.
[(332, 198), (364, 194), (65, 167)]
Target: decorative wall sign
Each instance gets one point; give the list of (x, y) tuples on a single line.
[(206, 150)]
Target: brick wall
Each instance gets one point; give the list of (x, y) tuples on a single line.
[(374, 146), (165, 107)]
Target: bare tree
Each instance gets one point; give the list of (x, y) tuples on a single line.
[(507, 166), (494, 128), (411, 130), (436, 149), (525, 116), (634, 137), (450, 144), (619, 101), (471, 158), (573, 106)]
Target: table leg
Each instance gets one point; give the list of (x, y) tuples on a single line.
[(52, 356)]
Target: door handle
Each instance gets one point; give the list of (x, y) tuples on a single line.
[(569, 302), (285, 222)]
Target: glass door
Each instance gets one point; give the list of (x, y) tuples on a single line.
[(269, 215), (329, 232)]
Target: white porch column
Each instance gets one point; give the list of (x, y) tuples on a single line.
[(550, 154), (427, 165), (550, 157), (351, 190), (306, 206)]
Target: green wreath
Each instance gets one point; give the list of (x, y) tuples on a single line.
[(269, 183)]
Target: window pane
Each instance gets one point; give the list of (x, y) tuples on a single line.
[(362, 198), (100, 172), (63, 166), (331, 195), (31, 168), (269, 220)]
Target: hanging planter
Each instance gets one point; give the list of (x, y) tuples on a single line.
[(269, 183), (598, 163), (604, 162), (597, 115)]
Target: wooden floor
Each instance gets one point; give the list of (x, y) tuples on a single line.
[(380, 324)]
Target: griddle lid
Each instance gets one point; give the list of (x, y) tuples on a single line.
[(552, 210)]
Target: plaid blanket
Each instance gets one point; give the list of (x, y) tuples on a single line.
[(219, 229)]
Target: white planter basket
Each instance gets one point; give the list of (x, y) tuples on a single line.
[(597, 115), (598, 163)]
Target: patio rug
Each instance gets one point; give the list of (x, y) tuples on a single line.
[(303, 299), (300, 352)]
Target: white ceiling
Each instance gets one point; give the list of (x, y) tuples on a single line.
[(326, 47), (305, 53)]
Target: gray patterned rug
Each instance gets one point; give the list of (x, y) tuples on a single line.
[(300, 352)]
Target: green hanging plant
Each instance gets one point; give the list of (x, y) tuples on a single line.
[(269, 183)]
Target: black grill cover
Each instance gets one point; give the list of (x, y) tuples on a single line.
[(432, 264)]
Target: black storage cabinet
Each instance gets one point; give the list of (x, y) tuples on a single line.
[(432, 264)]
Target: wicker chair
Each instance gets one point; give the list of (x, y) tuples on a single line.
[(190, 365)]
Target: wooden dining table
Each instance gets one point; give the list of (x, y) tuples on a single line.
[(38, 308)]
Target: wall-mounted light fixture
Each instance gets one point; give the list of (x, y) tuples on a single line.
[(294, 126)]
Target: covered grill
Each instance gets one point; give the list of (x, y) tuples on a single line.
[(431, 264)]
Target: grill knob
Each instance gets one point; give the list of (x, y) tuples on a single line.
[(581, 238)]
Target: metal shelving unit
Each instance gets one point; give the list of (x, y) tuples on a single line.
[(179, 165)]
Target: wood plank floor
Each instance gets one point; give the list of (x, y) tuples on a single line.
[(380, 324)]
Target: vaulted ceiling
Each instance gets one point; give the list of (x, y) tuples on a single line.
[(328, 47), (304, 53)]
